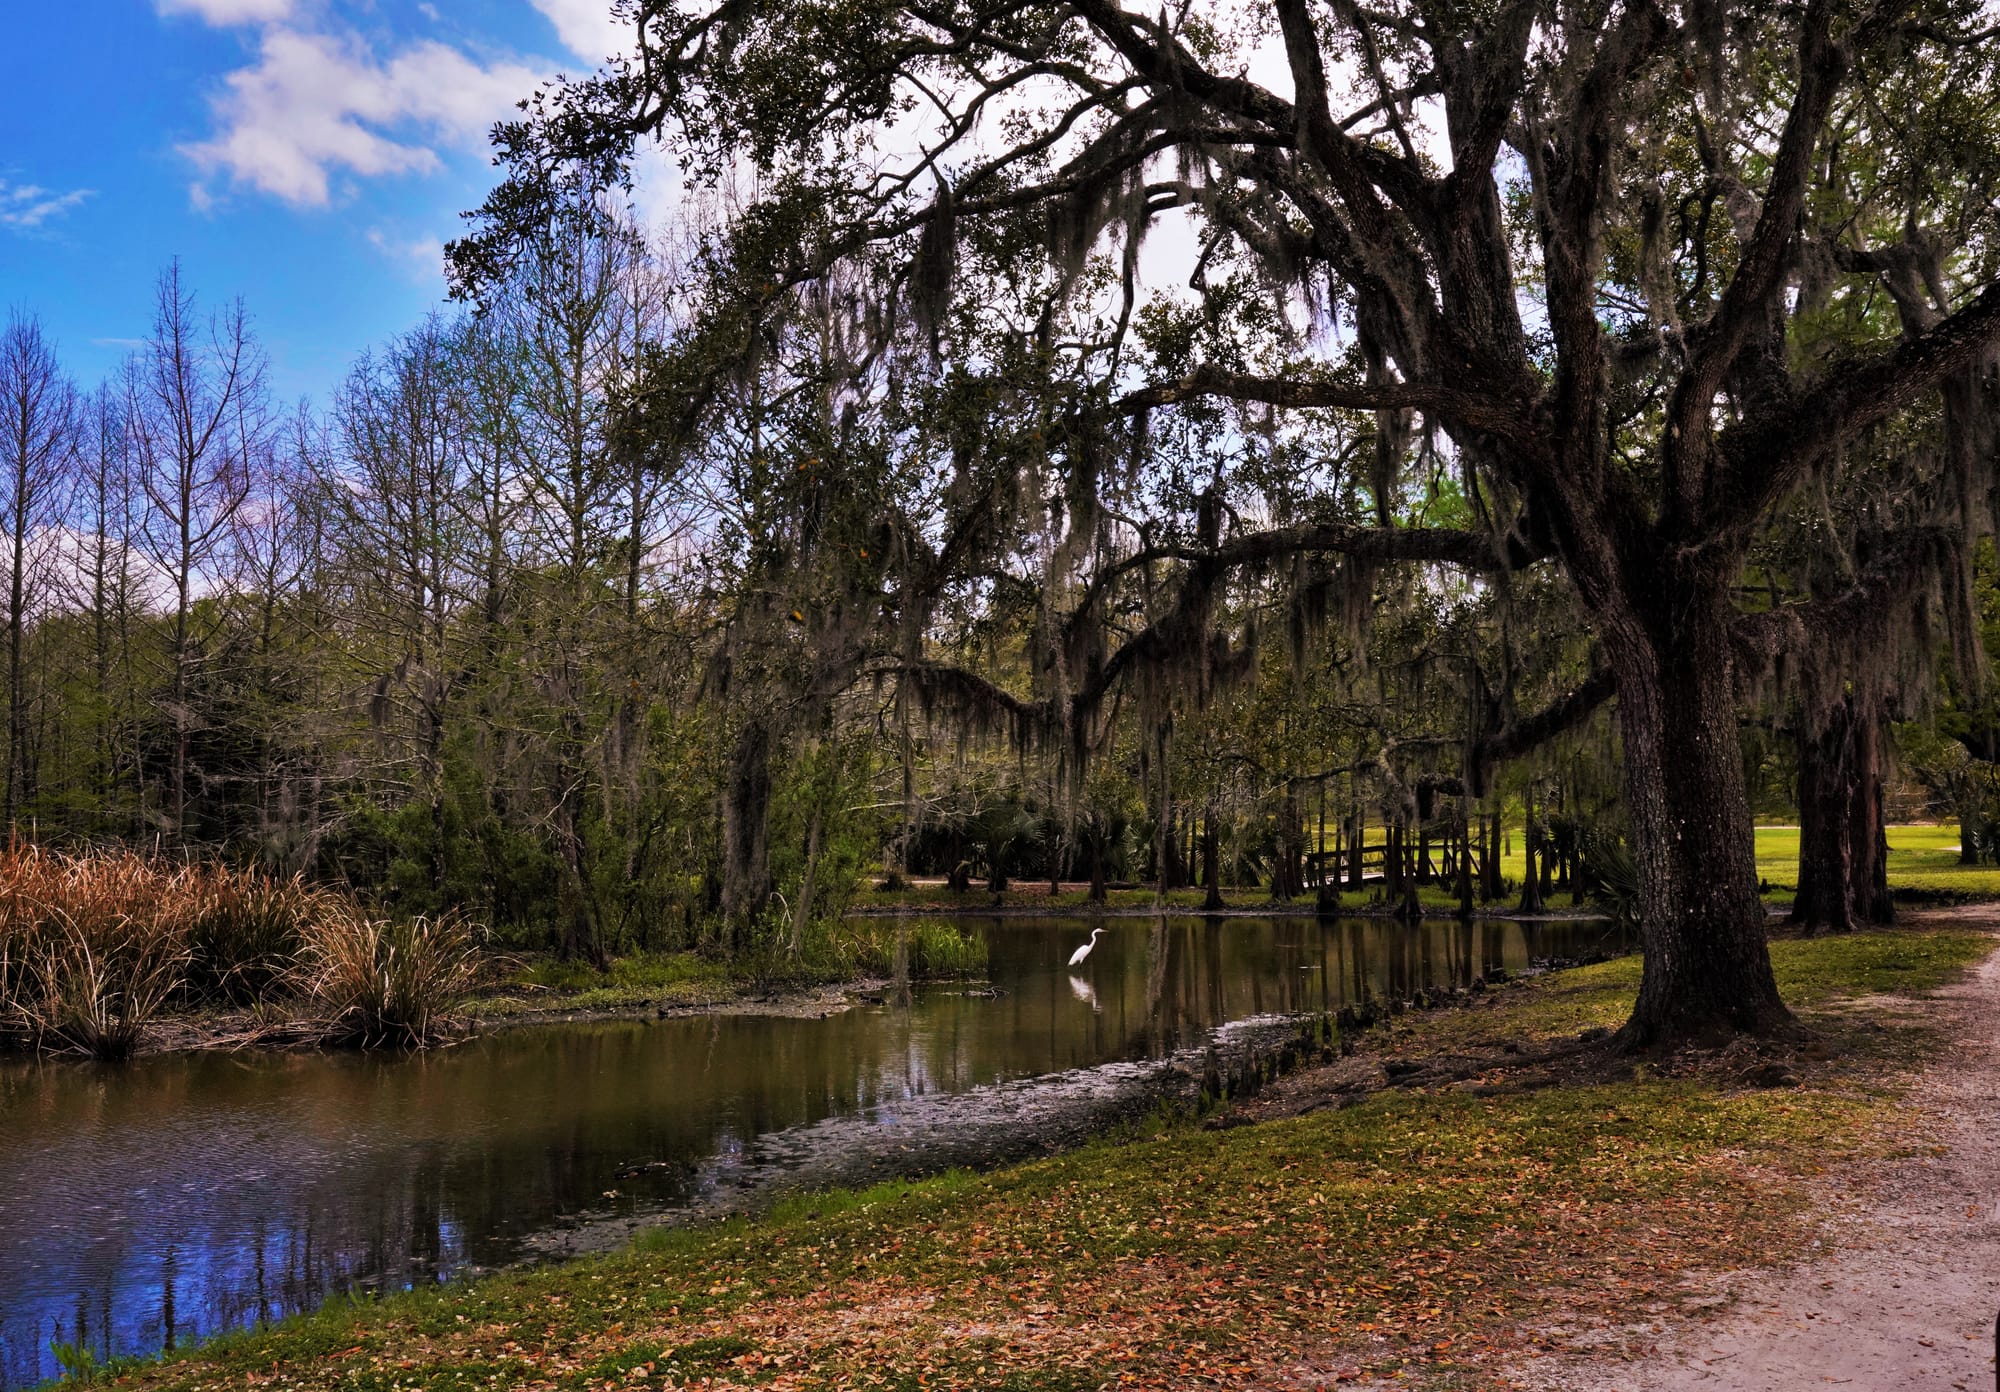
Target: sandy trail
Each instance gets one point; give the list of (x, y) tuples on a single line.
[(1906, 1300)]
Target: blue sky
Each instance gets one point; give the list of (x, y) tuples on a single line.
[(311, 156)]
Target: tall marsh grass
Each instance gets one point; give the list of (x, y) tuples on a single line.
[(916, 948), (94, 946), (386, 982)]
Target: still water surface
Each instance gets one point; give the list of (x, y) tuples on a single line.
[(174, 1197)]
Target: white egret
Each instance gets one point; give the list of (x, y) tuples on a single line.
[(1076, 957)]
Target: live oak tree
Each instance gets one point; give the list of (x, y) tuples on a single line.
[(1564, 246)]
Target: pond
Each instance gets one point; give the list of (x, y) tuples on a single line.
[(177, 1196)]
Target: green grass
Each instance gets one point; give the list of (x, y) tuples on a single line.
[(548, 984), (1922, 859), (1425, 1216), (1411, 1234), (1811, 972)]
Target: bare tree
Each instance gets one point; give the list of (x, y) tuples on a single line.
[(38, 440), (402, 428), (104, 519), (198, 417)]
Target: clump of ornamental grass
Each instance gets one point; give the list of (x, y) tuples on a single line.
[(93, 946), (245, 930), (90, 950), (386, 983)]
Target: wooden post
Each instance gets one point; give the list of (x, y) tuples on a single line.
[(1357, 848)]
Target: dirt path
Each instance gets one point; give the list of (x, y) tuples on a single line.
[(1908, 1300)]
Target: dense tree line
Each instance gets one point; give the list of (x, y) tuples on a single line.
[(467, 635), (429, 638)]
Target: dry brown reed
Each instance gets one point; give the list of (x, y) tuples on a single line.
[(94, 945), (386, 983), (90, 949)]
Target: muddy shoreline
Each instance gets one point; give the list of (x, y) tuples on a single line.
[(266, 1033)]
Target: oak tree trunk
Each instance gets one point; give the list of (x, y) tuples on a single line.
[(1843, 874), (1707, 967), (1824, 902), (1867, 836)]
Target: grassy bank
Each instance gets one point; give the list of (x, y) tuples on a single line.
[(1923, 859), (1426, 1232), (515, 988)]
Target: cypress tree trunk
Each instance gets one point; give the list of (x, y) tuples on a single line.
[(746, 830), (1357, 847), (1707, 968), (1211, 862), (1489, 862), (1531, 881), (1464, 862), (1288, 873)]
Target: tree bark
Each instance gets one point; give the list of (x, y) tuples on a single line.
[(1464, 862), (1843, 874), (1357, 845), (1868, 837), (1211, 862), (1824, 902), (746, 829), (1531, 880), (1489, 861), (1707, 967), (1392, 861)]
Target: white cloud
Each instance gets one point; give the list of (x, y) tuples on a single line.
[(25, 207), (587, 28), (316, 103), (422, 258), (226, 12)]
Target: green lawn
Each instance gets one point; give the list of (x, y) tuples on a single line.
[(1920, 858)]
